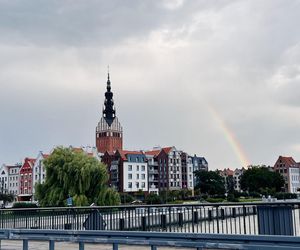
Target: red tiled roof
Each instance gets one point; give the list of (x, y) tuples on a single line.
[(167, 149), (153, 152), (288, 160), (30, 160), (132, 152), (124, 153)]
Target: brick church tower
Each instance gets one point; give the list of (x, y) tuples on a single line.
[(109, 132)]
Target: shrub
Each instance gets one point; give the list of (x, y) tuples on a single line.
[(24, 205), (285, 196), (232, 198), (153, 199), (214, 200)]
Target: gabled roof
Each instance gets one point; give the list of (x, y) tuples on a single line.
[(167, 149), (30, 160), (288, 160), (153, 152), (157, 151), (124, 153)]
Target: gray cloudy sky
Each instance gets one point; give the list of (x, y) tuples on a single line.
[(195, 74)]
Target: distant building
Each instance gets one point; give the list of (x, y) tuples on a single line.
[(109, 132), (4, 179), (38, 170), (226, 174), (293, 180), (198, 163), (289, 169), (128, 171), (152, 171), (13, 178), (169, 169), (25, 180), (237, 174)]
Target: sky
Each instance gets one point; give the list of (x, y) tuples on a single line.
[(216, 78)]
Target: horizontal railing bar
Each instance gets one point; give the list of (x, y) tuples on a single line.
[(228, 204), (152, 237)]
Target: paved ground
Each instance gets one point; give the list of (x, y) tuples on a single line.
[(35, 245)]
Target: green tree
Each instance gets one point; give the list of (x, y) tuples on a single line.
[(75, 174), (260, 178), (209, 182), (153, 199)]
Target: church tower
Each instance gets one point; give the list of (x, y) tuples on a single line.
[(109, 132)]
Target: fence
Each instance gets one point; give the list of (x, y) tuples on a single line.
[(152, 239), (221, 218)]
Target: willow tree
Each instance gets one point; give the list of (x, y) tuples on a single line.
[(77, 175)]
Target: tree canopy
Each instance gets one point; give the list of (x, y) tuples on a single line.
[(75, 174), (209, 182), (259, 178)]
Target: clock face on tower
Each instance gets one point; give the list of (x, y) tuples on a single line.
[(109, 132)]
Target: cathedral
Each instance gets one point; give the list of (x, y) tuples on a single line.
[(109, 132)]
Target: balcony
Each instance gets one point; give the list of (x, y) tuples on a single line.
[(153, 171)]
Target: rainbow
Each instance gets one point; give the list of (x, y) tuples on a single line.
[(230, 137)]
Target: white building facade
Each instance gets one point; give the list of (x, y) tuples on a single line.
[(13, 179), (135, 173), (38, 171), (293, 179)]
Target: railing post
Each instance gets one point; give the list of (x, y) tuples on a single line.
[(81, 245), (217, 215), (163, 221), (25, 244), (121, 224), (143, 223), (115, 246), (180, 219), (51, 245), (244, 218)]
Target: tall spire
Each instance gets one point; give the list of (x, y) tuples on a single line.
[(109, 112)]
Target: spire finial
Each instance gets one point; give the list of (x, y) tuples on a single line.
[(107, 72)]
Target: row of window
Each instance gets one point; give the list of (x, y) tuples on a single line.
[(175, 184), (14, 171), (143, 168), (136, 159), (137, 176), (36, 176), (37, 169), (137, 185)]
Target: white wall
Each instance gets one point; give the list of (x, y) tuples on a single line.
[(138, 175)]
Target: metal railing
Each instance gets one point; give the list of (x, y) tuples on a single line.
[(220, 218), (152, 239)]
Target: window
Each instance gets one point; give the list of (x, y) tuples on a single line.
[(143, 176), (129, 184), (143, 184), (137, 184), (129, 176), (137, 168), (129, 167), (143, 167), (137, 176)]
